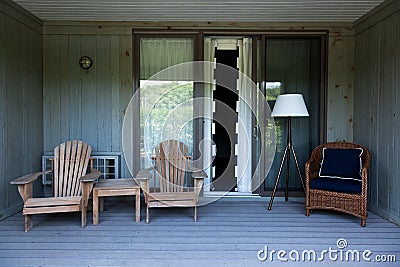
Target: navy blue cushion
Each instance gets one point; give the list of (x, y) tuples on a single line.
[(341, 163), (349, 186)]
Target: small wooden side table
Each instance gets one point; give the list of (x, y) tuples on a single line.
[(114, 187)]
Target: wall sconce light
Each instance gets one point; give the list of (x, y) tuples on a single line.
[(85, 62)]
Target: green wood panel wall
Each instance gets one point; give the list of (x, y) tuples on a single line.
[(86, 105), (90, 105), (340, 86), (2, 107), (21, 119), (377, 109)]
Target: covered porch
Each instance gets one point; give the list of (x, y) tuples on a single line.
[(46, 99), (229, 232)]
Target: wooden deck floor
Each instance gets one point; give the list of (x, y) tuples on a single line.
[(229, 232)]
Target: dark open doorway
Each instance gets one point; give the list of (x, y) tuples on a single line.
[(225, 136)]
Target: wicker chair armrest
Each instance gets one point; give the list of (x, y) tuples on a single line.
[(311, 169), (364, 173), (365, 165), (364, 181)]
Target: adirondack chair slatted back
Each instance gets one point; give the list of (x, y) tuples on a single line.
[(70, 163), (171, 162)]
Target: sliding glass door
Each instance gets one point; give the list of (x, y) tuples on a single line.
[(166, 98), (294, 65), (279, 63)]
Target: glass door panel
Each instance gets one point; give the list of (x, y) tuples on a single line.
[(293, 65), (166, 101)]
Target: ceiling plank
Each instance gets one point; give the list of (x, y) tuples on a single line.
[(205, 10)]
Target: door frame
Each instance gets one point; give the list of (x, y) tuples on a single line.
[(259, 61)]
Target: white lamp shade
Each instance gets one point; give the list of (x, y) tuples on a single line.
[(290, 105)]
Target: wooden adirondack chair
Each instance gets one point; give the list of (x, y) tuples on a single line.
[(71, 187), (171, 187)]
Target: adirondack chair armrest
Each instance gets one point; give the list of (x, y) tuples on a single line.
[(198, 183), (90, 177), (198, 177), (25, 184), (26, 179), (87, 186), (199, 174), (143, 179), (145, 174)]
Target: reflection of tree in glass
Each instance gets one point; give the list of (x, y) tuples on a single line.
[(166, 105), (273, 89)]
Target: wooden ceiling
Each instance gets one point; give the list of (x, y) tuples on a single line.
[(200, 10)]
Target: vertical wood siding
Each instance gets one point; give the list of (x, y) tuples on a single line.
[(21, 119), (90, 105), (2, 106), (377, 109), (86, 105), (340, 86)]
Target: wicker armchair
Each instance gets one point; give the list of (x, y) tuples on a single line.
[(351, 203)]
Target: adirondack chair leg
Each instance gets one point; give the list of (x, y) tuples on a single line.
[(147, 214), (195, 213), (84, 217), (86, 189), (28, 223)]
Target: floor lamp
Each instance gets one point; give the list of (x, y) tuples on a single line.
[(288, 105)]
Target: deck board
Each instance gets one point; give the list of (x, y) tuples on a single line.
[(228, 233)]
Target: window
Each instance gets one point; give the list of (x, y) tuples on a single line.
[(166, 100), (108, 165)]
